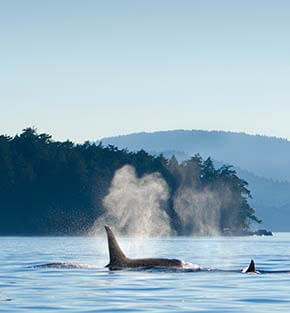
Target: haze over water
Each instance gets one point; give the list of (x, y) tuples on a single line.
[(96, 289)]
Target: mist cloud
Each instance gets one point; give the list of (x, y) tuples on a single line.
[(199, 212), (136, 206)]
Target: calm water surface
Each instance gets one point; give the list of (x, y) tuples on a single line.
[(93, 288)]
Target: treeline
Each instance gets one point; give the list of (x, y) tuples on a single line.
[(52, 187)]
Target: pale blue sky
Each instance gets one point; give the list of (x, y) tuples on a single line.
[(88, 69)]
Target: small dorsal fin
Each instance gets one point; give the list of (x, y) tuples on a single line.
[(251, 268), (117, 257)]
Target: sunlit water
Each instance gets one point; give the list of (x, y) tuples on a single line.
[(93, 288)]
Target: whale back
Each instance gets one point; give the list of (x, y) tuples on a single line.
[(117, 257)]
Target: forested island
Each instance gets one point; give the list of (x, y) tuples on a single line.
[(50, 187)]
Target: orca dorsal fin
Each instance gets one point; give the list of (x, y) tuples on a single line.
[(117, 257), (251, 268)]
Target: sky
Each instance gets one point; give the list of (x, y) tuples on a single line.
[(84, 70)]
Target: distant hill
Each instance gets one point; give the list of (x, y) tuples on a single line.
[(271, 199), (262, 161), (261, 155)]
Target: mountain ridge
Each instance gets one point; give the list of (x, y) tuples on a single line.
[(231, 147)]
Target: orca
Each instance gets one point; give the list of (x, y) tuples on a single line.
[(251, 268), (118, 259)]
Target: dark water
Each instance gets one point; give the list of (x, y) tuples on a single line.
[(89, 287)]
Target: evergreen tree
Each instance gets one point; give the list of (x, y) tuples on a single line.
[(52, 187)]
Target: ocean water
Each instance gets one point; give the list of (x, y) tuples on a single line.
[(92, 288)]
